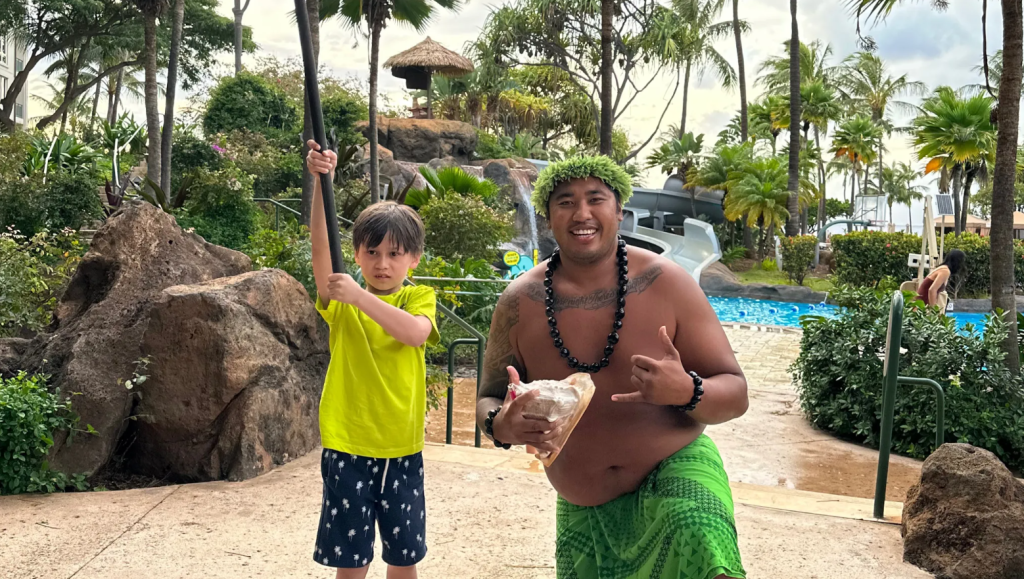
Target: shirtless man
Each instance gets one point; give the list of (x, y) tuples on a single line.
[(642, 491)]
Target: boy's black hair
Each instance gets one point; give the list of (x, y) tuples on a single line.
[(385, 219)]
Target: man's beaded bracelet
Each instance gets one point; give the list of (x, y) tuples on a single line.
[(698, 391), (489, 428)]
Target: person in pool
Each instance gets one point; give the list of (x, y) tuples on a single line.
[(932, 288), (642, 492)]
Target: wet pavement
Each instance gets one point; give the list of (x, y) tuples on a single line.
[(772, 444)]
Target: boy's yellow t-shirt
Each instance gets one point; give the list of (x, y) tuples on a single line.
[(374, 400)]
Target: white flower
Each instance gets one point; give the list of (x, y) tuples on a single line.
[(325, 560), (364, 511), (341, 464), (334, 512), (334, 455), (396, 530), (355, 558), (405, 553), (422, 514), (234, 185), (351, 533), (337, 551), (328, 525), (344, 505), (419, 538), (396, 487), (415, 492), (384, 504), (376, 469), (364, 562), (408, 524), (359, 487), (366, 529), (414, 554), (406, 464)]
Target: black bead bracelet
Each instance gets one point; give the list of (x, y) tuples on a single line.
[(489, 428), (698, 391)]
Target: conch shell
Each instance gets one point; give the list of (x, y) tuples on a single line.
[(558, 399)]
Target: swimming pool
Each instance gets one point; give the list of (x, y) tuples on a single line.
[(773, 313)]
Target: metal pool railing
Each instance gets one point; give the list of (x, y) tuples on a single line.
[(890, 379)]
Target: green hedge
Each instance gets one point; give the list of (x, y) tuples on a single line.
[(839, 377), (797, 256), (865, 258)]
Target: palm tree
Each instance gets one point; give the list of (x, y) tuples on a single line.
[(679, 156), (820, 107), (793, 225), (956, 135), (607, 70), (898, 187), (718, 171), (758, 193), (857, 139), (766, 117), (865, 82), (172, 80), (740, 68), (151, 10), (697, 36), (814, 67), (376, 13)]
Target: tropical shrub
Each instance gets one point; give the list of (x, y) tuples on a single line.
[(446, 181), (839, 377), (797, 256), (70, 201), (246, 101), (21, 205), (462, 228), (342, 110), (30, 416), (65, 154), (220, 207), (191, 153), (864, 258), (489, 146), (14, 149), (33, 274), (287, 249)]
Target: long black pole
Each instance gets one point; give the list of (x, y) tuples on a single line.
[(316, 116)]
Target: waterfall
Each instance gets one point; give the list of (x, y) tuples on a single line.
[(524, 192)]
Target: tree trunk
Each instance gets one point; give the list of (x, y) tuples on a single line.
[(152, 106), (957, 179), (964, 210), (686, 100), (375, 31), (115, 98), (306, 205), (910, 218), (75, 62), (95, 107), (238, 11), (742, 74), (821, 181), (748, 237), (792, 224), (853, 196), (1002, 281), (172, 81), (607, 67)]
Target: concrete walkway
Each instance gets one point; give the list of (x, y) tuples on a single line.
[(491, 513)]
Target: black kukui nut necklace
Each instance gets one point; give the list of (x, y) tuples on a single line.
[(620, 312)]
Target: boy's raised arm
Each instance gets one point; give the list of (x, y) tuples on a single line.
[(317, 163)]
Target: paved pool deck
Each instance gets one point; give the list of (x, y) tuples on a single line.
[(801, 508)]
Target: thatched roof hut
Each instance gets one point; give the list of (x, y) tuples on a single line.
[(417, 64)]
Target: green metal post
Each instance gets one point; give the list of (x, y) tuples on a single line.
[(890, 373), (451, 375), (479, 378), (940, 404)]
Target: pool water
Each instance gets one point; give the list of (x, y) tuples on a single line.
[(773, 313)]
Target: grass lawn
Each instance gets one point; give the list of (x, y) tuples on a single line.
[(757, 275)]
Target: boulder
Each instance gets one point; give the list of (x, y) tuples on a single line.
[(719, 280), (422, 140), (965, 519), (235, 378), (94, 341)]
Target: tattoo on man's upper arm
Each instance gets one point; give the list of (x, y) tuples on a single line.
[(500, 354), (598, 299)]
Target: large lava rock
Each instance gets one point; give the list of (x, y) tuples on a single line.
[(965, 519), (422, 140), (99, 323), (234, 385)]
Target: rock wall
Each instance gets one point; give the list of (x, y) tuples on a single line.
[(422, 140)]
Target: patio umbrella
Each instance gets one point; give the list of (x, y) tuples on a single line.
[(420, 62)]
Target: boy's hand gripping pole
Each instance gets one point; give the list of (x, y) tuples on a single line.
[(316, 116)]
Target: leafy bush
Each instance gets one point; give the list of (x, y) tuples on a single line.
[(65, 154), (864, 258), (220, 207), (459, 228), (769, 264), (13, 151), (33, 275), (288, 249), (489, 146), (246, 101), (733, 254), (189, 154), (30, 415), (449, 180), (797, 256), (273, 166), (21, 205), (342, 110), (839, 377), (70, 201)]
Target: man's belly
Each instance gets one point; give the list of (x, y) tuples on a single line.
[(615, 447)]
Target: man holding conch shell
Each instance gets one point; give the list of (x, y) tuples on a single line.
[(610, 362)]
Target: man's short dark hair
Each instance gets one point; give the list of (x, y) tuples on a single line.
[(385, 219)]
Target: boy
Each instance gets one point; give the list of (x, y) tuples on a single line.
[(374, 400)]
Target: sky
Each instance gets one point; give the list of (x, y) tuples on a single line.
[(937, 48)]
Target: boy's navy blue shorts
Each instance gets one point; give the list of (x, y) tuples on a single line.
[(359, 491)]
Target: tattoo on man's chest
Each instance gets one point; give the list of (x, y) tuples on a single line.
[(598, 299)]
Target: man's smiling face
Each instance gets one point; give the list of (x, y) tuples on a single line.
[(584, 216)]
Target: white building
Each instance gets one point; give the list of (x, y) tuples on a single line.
[(12, 61)]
